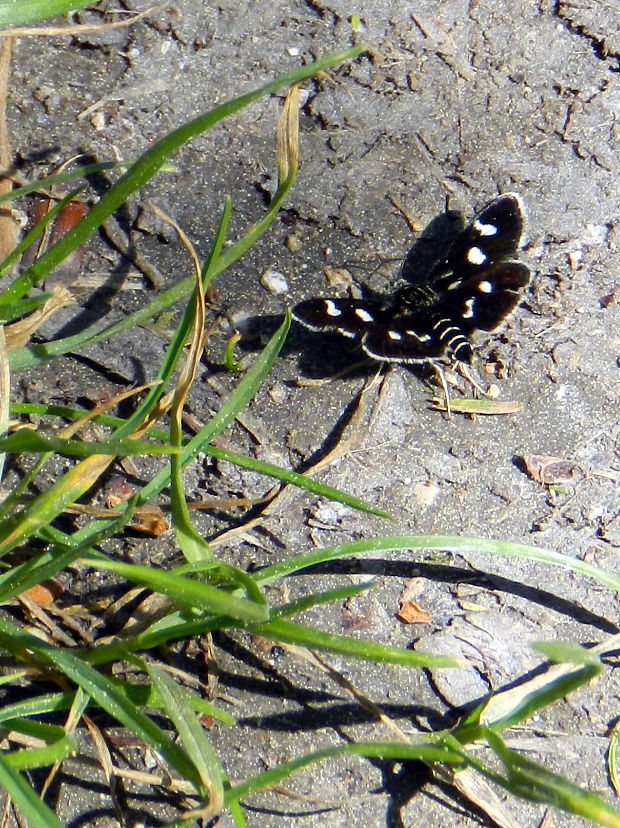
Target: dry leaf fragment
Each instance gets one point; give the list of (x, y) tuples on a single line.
[(151, 522), (355, 618), (549, 470), (44, 594), (18, 333), (411, 613), (472, 406)]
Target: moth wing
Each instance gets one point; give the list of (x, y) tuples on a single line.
[(494, 234), (349, 317), (483, 301)]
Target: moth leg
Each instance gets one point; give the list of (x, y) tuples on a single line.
[(440, 373), (463, 368)]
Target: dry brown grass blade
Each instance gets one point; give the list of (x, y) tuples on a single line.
[(287, 135), (18, 333), (50, 31), (175, 399), (8, 225), (70, 429), (473, 406)]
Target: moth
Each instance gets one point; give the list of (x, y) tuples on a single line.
[(475, 286)]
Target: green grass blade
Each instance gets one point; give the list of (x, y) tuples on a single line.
[(26, 440), (192, 736), (440, 543), (293, 633), (538, 784), (146, 695), (34, 810), (18, 12), (260, 466), (18, 309), (315, 599), (47, 506), (190, 542), (511, 708), (39, 568), (236, 402), (59, 178), (59, 745), (295, 478), (31, 236), (186, 590), (47, 703), (395, 751)]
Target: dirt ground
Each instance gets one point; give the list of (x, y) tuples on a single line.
[(456, 102)]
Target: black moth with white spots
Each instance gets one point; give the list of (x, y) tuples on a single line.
[(474, 287)]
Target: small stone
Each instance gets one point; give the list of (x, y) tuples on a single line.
[(424, 493), (274, 282), (293, 243)]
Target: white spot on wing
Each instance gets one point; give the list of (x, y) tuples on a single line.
[(394, 335), (468, 313), (364, 315), (485, 287), (331, 309), (485, 229), (476, 256)]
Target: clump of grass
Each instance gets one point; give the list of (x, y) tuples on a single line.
[(205, 594)]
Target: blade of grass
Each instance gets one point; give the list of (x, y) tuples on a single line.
[(511, 707), (34, 810), (177, 626), (48, 703), (59, 745), (192, 737), (192, 545), (188, 591), (395, 751), (236, 402), (22, 576), (296, 479), (313, 639), (59, 178), (46, 507), (239, 398), (260, 466), (25, 306), (26, 440), (16, 12), (440, 543), (536, 783), (32, 235)]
